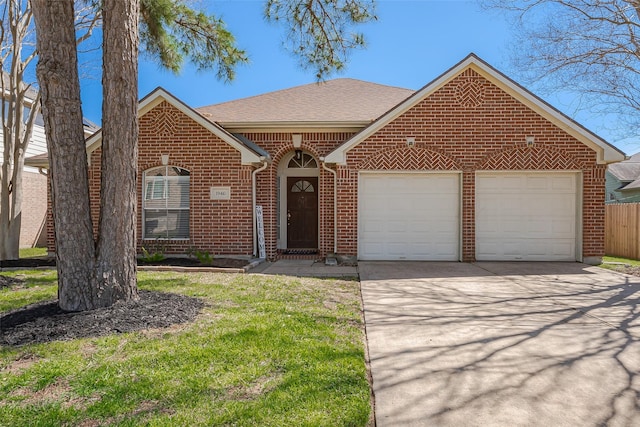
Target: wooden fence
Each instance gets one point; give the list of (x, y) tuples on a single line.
[(622, 230)]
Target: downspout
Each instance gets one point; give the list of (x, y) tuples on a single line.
[(253, 200), (335, 204)]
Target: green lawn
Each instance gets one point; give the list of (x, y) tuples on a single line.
[(610, 259), (266, 351), (33, 252)]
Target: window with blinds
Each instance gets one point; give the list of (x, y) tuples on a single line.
[(165, 203)]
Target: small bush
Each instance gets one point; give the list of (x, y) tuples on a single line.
[(154, 253)]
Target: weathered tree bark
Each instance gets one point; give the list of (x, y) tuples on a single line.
[(57, 72), (116, 263), (89, 278)]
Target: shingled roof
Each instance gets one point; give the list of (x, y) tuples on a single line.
[(333, 101), (627, 171)]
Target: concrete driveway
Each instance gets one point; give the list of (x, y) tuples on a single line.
[(502, 344)]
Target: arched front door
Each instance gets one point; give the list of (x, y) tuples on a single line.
[(302, 212)]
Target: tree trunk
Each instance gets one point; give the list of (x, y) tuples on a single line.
[(57, 72), (116, 265), (89, 278)]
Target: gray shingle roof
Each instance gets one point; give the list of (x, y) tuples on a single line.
[(339, 100), (627, 170)]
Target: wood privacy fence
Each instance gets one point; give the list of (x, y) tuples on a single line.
[(622, 230)]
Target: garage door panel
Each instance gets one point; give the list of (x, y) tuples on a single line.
[(414, 216), (526, 216)]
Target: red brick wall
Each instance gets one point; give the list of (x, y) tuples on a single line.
[(469, 125)]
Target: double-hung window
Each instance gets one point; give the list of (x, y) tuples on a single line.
[(165, 203)]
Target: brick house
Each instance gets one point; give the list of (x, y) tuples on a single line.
[(470, 167)]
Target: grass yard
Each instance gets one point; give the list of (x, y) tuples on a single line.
[(613, 259), (265, 351), (32, 252)]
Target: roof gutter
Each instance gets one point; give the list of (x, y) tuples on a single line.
[(335, 204), (246, 127)]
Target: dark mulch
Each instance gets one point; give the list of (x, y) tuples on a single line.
[(45, 322), (190, 262), (169, 261), (6, 282), (628, 269), (28, 262)]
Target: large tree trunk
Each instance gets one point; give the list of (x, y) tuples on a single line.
[(89, 278), (57, 72), (116, 265)]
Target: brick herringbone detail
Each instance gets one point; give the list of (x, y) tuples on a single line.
[(524, 158), (470, 92), (408, 159), (161, 118)]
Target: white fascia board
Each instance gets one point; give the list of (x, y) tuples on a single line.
[(606, 153), (159, 95)]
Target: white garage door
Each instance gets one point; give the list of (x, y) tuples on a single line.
[(526, 216), (408, 216)]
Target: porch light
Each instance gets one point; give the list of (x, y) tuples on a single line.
[(298, 154), (296, 138), (530, 141), (411, 141)]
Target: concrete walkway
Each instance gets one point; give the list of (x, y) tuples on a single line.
[(305, 268), (502, 344)]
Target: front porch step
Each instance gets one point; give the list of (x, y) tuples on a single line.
[(307, 254)]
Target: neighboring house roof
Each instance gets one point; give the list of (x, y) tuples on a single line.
[(336, 102), (606, 153), (31, 92), (627, 172), (250, 152)]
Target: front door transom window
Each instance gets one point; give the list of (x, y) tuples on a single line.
[(302, 161)]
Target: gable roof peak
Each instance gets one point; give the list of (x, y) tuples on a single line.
[(606, 153)]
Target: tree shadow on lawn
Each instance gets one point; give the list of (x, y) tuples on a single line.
[(45, 322)]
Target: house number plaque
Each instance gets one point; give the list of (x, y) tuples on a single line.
[(220, 193)]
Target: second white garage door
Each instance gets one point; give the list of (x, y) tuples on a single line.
[(409, 216), (526, 216)]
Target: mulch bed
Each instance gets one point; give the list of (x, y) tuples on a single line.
[(169, 261), (45, 322), (628, 269)]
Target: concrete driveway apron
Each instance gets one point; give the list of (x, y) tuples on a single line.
[(502, 344)]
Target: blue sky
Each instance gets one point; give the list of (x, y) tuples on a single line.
[(413, 42)]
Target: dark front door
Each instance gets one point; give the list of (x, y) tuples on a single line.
[(302, 212)]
